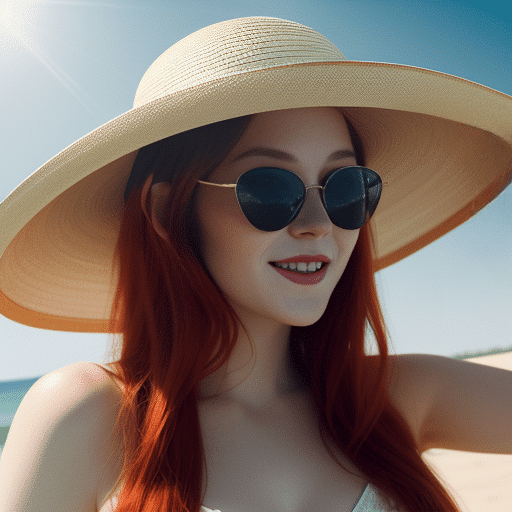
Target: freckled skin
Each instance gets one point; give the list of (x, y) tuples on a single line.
[(237, 254)]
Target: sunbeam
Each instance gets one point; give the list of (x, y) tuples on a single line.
[(79, 3), (82, 97), (18, 28), (17, 20)]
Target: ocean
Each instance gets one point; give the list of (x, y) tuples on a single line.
[(11, 395)]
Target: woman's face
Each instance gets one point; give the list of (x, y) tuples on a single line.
[(238, 256)]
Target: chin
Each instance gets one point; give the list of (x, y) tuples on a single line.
[(304, 322), (305, 319)]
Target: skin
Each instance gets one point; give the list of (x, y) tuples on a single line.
[(238, 255), (255, 421), (262, 441)]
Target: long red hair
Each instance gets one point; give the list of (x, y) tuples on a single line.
[(172, 325)]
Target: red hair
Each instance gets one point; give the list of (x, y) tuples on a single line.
[(172, 325)]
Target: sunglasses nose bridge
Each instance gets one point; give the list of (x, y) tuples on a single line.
[(320, 194), (310, 213)]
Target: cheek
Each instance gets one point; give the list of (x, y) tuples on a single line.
[(222, 229), (346, 242), (352, 239)]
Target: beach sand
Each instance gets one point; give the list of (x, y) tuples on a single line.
[(479, 482)]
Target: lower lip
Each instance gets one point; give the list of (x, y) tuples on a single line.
[(302, 278)]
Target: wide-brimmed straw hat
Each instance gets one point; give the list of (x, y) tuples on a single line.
[(442, 145)]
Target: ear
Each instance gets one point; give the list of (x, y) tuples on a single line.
[(159, 194)]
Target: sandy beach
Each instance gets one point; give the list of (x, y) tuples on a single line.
[(479, 482)]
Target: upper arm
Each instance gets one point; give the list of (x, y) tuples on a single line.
[(471, 409), (452, 404), (58, 443), (412, 389)]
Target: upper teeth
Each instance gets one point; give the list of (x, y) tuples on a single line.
[(301, 267)]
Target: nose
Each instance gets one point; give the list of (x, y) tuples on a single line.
[(312, 219)]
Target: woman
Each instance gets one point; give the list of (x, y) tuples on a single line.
[(243, 381)]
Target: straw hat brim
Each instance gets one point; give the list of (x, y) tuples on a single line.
[(442, 145)]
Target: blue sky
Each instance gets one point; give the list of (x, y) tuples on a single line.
[(75, 65)]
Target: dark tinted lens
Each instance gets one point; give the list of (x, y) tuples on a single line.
[(269, 197), (351, 196)]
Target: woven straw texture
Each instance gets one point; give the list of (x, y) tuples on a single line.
[(442, 145)]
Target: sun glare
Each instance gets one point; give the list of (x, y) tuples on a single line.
[(17, 20), (20, 28)]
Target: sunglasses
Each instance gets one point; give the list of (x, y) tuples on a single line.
[(270, 197)]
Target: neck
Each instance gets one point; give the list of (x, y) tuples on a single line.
[(256, 377)]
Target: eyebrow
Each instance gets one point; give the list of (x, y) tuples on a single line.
[(288, 157)]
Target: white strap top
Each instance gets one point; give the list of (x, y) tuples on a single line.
[(370, 501)]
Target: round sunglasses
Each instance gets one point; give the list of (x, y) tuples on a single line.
[(270, 197)]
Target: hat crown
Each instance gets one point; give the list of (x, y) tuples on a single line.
[(233, 47)]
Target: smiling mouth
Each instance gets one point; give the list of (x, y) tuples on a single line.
[(301, 268)]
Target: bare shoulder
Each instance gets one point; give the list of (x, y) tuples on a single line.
[(61, 442)]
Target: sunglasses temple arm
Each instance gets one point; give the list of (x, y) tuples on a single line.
[(224, 185)]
